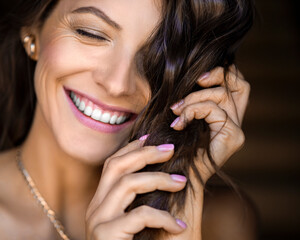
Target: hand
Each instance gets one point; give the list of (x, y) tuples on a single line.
[(223, 109), (106, 217)]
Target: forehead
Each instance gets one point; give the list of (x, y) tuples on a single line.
[(128, 13)]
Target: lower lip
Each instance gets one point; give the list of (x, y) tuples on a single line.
[(96, 125)]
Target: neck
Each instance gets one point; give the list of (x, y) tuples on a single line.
[(67, 184)]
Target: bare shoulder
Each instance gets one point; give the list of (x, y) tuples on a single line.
[(8, 174), (18, 209), (227, 215), (8, 192)]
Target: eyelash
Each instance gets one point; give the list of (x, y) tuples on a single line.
[(90, 35)]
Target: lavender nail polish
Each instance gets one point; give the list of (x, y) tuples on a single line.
[(175, 122), (178, 178), (177, 105), (165, 147), (181, 223), (204, 76), (143, 138)]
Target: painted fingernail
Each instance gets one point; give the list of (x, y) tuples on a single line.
[(178, 178), (177, 105), (204, 76), (175, 122), (165, 147), (143, 138), (181, 223)]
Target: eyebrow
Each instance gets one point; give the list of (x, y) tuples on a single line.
[(99, 13)]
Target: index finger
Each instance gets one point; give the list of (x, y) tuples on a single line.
[(234, 81)]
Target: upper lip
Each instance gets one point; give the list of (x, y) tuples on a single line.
[(100, 104)]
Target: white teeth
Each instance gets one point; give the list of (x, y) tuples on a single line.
[(77, 102), (119, 120), (96, 114), (88, 111), (113, 119), (123, 119), (82, 106), (105, 117)]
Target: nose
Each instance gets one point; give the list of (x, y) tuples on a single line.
[(117, 75)]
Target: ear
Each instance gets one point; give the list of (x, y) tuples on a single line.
[(30, 40)]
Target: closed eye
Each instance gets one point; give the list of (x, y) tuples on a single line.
[(90, 35)]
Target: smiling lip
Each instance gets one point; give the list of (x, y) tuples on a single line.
[(96, 125)]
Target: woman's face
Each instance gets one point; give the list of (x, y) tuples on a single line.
[(87, 53)]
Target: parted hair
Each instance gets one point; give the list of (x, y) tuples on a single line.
[(193, 37)]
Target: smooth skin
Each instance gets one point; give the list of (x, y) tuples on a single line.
[(87, 177)]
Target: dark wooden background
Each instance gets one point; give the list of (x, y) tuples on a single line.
[(269, 164)]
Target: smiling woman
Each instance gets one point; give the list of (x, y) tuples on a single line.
[(125, 110)]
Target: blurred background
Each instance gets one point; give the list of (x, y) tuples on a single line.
[(268, 166)]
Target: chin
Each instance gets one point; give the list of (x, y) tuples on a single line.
[(91, 152)]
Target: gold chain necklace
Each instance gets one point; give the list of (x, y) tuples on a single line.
[(41, 201)]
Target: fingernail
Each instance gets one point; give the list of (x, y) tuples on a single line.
[(178, 178), (165, 147), (177, 105), (204, 76), (143, 138), (181, 223), (175, 122)]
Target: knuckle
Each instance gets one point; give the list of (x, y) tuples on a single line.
[(164, 214), (221, 94), (126, 181), (246, 85), (188, 113), (146, 153), (106, 163), (220, 91), (159, 178), (148, 214), (235, 137), (227, 136), (211, 104), (143, 211), (187, 110), (240, 140), (112, 164), (147, 149), (219, 70), (190, 97)]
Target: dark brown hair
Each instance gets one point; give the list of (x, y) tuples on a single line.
[(194, 37), (17, 97)]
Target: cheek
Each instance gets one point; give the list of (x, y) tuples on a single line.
[(57, 61), (58, 58), (144, 93)]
